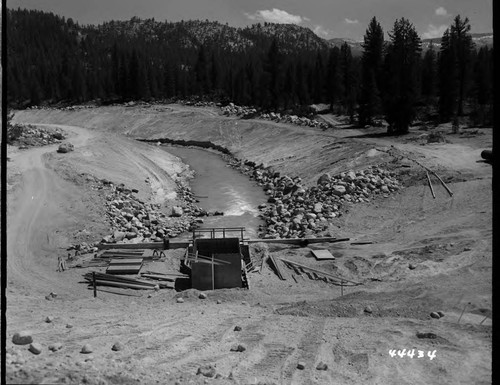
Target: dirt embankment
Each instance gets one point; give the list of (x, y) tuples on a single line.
[(427, 255)]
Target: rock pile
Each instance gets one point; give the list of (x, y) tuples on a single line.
[(295, 211), (233, 110), (134, 221), (30, 135), (245, 112), (294, 119)]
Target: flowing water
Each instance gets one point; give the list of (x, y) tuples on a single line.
[(219, 187)]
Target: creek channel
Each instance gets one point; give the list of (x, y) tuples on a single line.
[(219, 187)]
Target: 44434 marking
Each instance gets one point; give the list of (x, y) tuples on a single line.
[(412, 353)]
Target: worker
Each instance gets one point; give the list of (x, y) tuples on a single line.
[(61, 265)]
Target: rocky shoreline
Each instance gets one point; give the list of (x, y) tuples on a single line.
[(134, 221), (296, 211)]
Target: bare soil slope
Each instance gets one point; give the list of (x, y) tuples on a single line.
[(427, 255)]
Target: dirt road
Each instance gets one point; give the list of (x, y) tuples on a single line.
[(447, 242)]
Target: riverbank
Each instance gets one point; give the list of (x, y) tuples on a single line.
[(425, 255)]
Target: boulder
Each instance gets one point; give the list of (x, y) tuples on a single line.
[(22, 338), (322, 366), (301, 365), (318, 207), (119, 235), (323, 179), (65, 147), (55, 347), (177, 211), (338, 190), (350, 176), (238, 348), (35, 348), (58, 135), (206, 371), (86, 349), (117, 347)]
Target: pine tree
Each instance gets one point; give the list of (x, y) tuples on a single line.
[(401, 74), (333, 77), (454, 68), (448, 87), (429, 75), (370, 103), (202, 73), (271, 78), (318, 76), (482, 88), (348, 81), (460, 33)]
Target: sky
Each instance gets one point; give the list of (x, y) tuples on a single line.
[(327, 18)]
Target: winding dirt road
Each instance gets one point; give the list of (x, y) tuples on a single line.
[(35, 216)]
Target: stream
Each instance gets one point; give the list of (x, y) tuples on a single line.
[(219, 187)]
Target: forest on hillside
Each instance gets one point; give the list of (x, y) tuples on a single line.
[(54, 61)]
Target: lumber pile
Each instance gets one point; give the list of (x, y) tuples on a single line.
[(316, 274), (124, 266), (171, 276), (102, 279)]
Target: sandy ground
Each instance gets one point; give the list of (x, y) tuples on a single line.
[(446, 240)]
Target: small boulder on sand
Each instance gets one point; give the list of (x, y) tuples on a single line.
[(22, 338), (86, 349), (55, 347), (207, 371), (117, 347), (35, 348), (65, 147)]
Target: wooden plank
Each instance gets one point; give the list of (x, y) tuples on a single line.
[(322, 254), (123, 269), (126, 261), (278, 270), (444, 184), (430, 184), (299, 241), (158, 277), (123, 251), (149, 245), (168, 274), (125, 285)]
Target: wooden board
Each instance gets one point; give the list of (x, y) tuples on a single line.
[(149, 245), (322, 254), (126, 261), (123, 269)]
